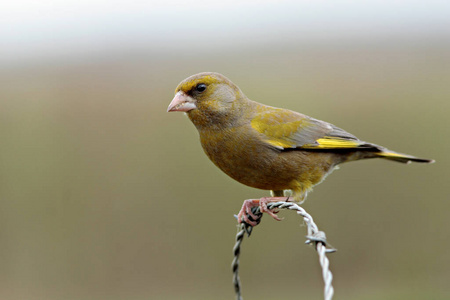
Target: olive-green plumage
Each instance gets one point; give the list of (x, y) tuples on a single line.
[(266, 147)]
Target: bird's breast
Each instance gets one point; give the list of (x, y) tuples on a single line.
[(238, 154), (250, 161)]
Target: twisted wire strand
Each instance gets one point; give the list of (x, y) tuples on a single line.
[(314, 237)]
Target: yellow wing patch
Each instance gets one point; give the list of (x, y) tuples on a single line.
[(333, 143), (285, 129)]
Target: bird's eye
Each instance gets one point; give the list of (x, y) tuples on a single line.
[(201, 87)]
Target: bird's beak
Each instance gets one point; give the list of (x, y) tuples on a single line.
[(182, 102)]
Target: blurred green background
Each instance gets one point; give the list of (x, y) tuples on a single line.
[(104, 195)]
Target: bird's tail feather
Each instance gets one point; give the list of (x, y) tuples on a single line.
[(403, 158)]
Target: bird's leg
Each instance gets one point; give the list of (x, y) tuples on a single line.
[(247, 206)]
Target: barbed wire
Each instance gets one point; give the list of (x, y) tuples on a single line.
[(314, 237)]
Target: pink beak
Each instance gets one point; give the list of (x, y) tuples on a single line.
[(181, 102)]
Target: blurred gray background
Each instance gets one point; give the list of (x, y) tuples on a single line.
[(104, 195)]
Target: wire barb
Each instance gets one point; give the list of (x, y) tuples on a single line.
[(314, 237)]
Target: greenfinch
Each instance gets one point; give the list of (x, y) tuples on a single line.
[(266, 147)]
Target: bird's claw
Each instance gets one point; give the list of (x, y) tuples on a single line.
[(246, 214), (264, 209)]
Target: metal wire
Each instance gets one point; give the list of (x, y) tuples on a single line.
[(314, 237)]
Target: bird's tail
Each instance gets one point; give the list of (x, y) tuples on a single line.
[(403, 158)]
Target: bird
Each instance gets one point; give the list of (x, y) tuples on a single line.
[(266, 147)]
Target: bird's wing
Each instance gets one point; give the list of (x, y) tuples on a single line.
[(285, 129)]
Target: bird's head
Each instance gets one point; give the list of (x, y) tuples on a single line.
[(208, 99)]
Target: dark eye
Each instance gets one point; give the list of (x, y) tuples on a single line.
[(201, 87)]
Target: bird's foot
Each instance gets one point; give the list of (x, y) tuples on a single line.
[(246, 211)]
